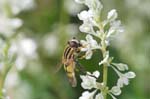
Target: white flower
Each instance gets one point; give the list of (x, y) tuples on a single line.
[(99, 96), (48, 44), (86, 28), (115, 27), (89, 45), (115, 90), (105, 60), (89, 80), (86, 15), (121, 66), (124, 78), (92, 4), (112, 15), (9, 25), (130, 74), (19, 5), (96, 74), (87, 95), (28, 46), (71, 7)]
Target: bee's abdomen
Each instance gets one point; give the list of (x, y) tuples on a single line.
[(68, 53)]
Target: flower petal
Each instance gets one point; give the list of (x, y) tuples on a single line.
[(116, 90), (89, 54), (130, 74), (112, 15), (99, 96)]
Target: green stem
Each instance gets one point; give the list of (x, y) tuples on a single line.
[(105, 71), (105, 68)]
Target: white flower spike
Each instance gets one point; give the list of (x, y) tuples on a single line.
[(93, 26)]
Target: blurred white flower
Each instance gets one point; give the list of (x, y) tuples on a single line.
[(87, 95), (124, 78), (1, 66), (71, 30), (99, 96), (72, 8), (89, 45), (28, 46), (130, 74), (24, 48), (115, 27), (86, 28), (86, 16), (88, 21), (12, 79), (121, 66), (8, 26), (94, 5), (19, 5), (112, 15), (21, 62), (50, 44), (115, 90), (89, 80)]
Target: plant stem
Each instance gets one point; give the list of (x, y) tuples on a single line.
[(105, 68)]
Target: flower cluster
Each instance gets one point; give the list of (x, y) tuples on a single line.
[(104, 31), (9, 49), (8, 9)]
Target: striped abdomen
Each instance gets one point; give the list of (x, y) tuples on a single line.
[(69, 65)]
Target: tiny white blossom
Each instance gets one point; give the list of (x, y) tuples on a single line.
[(86, 28), (105, 60), (88, 82), (19, 5), (88, 17), (124, 78), (85, 15), (99, 96), (121, 66), (9, 25), (94, 5), (115, 27), (28, 46), (89, 45), (96, 74), (130, 74), (87, 95), (112, 15), (115, 90)]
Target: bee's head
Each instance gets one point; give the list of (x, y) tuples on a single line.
[(74, 43)]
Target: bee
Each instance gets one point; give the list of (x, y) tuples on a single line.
[(69, 60)]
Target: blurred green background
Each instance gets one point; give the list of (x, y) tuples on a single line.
[(51, 23)]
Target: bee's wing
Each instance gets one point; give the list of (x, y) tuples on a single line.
[(70, 71)]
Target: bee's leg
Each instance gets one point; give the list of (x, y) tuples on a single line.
[(58, 67), (81, 57), (82, 69)]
